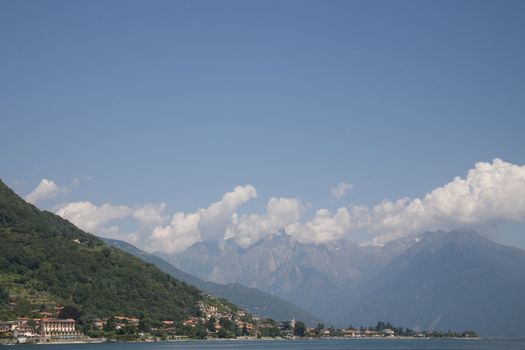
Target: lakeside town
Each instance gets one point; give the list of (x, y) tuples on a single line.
[(65, 325)]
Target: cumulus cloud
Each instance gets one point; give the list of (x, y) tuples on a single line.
[(205, 224), (323, 227), (215, 218), (490, 192), (341, 189), (182, 232), (286, 214), (280, 213), (100, 220), (46, 189), (151, 214), (92, 218)]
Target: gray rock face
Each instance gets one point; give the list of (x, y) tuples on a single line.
[(318, 278), (436, 280)]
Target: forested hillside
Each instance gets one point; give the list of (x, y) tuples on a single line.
[(46, 261)]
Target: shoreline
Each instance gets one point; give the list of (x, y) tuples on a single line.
[(105, 341)]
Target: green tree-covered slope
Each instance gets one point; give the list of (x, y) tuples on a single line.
[(45, 260)]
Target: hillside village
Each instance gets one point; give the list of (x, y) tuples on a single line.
[(213, 321)]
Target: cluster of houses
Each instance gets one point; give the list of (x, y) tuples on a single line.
[(45, 329), (348, 333), (49, 328), (25, 330), (286, 329), (210, 312)]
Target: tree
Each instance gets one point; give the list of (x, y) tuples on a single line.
[(245, 330), (299, 329), (69, 311), (271, 331), (23, 308), (200, 331), (145, 324), (228, 325), (222, 333), (4, 295), (211, 324), (110, 324), (86, 323), (318, 329), (469, 334)]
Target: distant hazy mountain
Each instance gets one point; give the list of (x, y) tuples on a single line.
[(458, 280), (318, 278), (437, 280), (254, 300)]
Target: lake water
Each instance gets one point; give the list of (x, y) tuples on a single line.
[(332, 344)]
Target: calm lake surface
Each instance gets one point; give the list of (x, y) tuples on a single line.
[(355, 344)]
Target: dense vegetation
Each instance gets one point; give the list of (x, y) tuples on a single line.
[(47, 261)]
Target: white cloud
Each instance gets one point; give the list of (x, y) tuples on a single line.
[(151, 214), (46, 189), (205, 224), (341, 189), (215, 218), (91, 218), (280, 213), (490, 192), (182, 232), (286, 214), (99, 220), (323, 227)]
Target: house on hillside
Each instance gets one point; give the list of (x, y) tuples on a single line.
[(98, 323), (388, 332), (57, 328), (7, 326)]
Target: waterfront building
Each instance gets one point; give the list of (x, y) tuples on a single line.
[(57, 328)]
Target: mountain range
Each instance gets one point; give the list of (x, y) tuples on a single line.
[(316, 277), (456, 280), (253, 300), (436, 280)]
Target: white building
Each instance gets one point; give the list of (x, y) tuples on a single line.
[(57, 328)]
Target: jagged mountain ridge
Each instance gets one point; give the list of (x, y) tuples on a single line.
[(309, 275), (423, 281), (253, 300)]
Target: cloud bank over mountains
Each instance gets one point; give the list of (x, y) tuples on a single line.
[(205, 224), (490, 193)]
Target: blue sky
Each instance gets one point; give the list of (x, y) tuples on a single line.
[(178, 102)]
